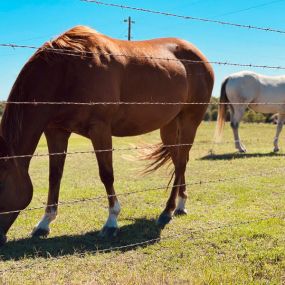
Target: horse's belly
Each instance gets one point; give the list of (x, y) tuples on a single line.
[(132, 121), (269, 101), (268, 108)]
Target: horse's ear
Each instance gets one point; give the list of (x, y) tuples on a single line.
[(4, 150)]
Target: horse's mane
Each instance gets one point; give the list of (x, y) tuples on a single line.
[(76, 41), (79, 39)]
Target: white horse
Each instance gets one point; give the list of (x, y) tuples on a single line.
[(256, 91)]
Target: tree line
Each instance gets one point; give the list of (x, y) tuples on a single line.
[(249, 117)]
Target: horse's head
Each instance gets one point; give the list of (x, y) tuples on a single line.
[(15, 189)]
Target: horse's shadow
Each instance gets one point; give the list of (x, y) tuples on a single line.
[(237, 155), (140, 231)]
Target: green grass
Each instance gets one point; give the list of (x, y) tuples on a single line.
[(211, 245)]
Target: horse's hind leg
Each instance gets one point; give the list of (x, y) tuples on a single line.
[(187, 127), (100, 134), (237, 112), (57, 141), (169, 136), (280, 123)]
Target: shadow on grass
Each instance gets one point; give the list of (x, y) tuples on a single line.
[(138, 232), (237, 155)]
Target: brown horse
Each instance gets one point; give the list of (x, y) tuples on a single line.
[(83, 65)]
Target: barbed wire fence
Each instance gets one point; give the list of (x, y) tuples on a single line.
[(87, 55)]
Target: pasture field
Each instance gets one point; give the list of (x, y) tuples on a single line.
[(234, 232)]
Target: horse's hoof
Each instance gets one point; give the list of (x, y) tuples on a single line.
[(163, 219), (276, 149), (40, 232), (3, 240), (108, 232), (180, 212)]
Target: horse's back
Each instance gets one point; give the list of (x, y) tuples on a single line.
[(125, 63), (255, 89)]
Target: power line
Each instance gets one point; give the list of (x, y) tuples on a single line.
[(250, 8), (252, 27)]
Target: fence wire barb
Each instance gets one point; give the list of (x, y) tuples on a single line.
[(251, 27), (200, 182)]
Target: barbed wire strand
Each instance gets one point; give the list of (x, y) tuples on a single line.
[(92, 151), (35, 103), (163, 187), (252, 27), (145, 147), (90, 54)]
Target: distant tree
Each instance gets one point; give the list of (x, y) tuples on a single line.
[(2, 106), (212, 110)]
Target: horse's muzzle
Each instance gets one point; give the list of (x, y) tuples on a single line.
[(3, 238)]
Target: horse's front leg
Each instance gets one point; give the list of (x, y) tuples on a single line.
[(100, 134), (57, 141), (280, 123)]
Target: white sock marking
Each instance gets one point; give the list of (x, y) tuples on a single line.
[(181, 203), (46, 220), (113, 215)]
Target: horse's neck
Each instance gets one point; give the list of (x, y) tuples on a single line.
[(23, 137), (27, 144)]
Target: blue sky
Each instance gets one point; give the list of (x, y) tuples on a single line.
[(34, 22)]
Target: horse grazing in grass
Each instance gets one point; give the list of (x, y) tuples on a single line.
[(83, 65), (256, 91)]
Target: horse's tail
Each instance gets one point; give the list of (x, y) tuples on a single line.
[(160, 156), (222, 112)]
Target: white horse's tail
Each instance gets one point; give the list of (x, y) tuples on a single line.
[(222, 113)]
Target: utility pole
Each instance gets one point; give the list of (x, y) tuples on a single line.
[(130, 22)]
